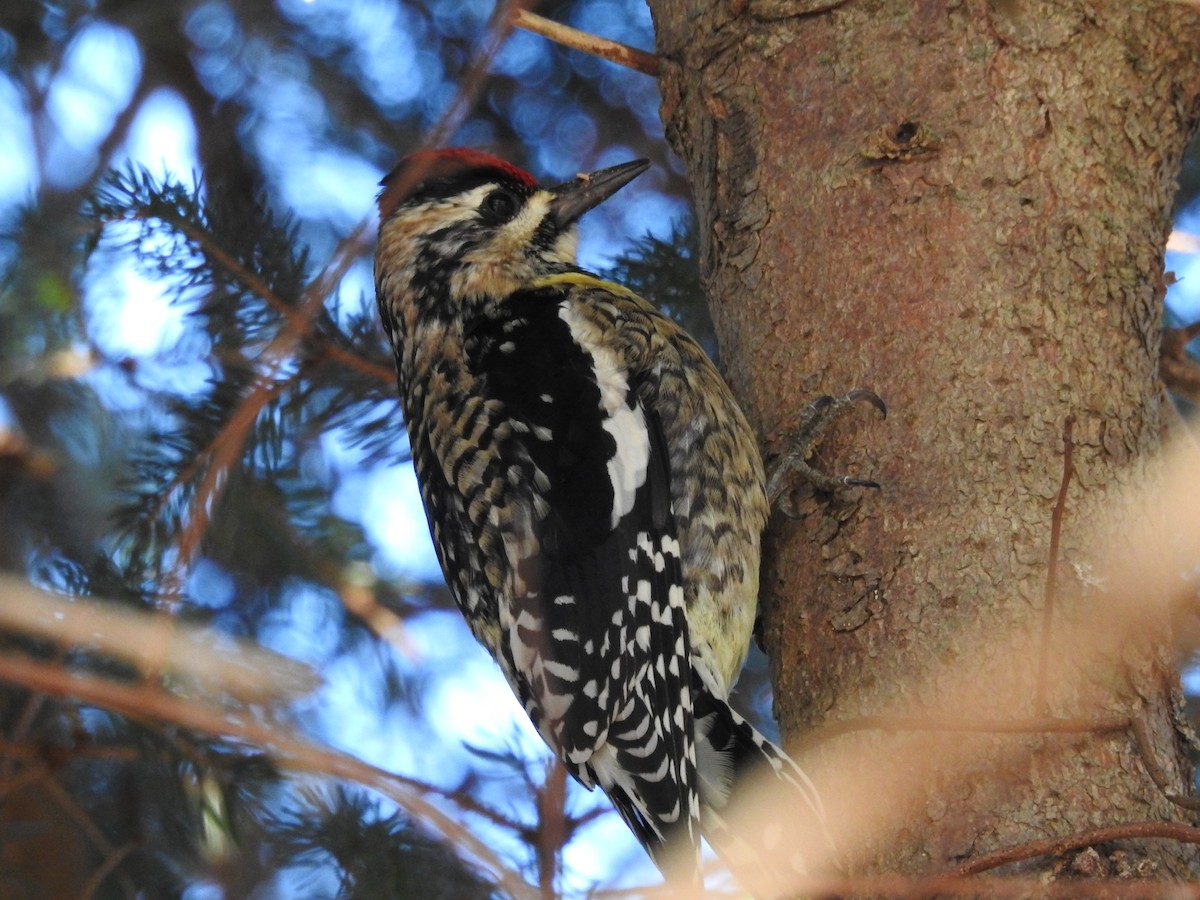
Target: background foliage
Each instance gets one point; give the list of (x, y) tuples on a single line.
[(197, 421)]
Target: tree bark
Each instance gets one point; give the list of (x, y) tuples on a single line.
[(963, 205)]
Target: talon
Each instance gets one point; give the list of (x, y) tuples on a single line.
[(871, 397), (860, 482), (816, 418)]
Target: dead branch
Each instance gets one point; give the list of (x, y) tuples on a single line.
[(613, 51), (1172, 831), (1178, 369)]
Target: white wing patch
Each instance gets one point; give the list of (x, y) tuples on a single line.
[(626, 424)]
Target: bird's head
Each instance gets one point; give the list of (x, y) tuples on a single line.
[(460, 229)]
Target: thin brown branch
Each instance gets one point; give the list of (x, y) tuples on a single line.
[(106, 868), (24, 723), (1178, 369), (621, 54), (290, 752), (22, 779), (1171, 831), (57, 755), (973, 726), (222, 453), (468, 92), (257, 286), (476, 75), (249, 279), (1051, 592), (551, 835), (90, 829), (1190, 331), (1145, 748), (1136, 727), (361, 364)]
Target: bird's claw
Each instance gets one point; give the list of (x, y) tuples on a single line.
[(816, 418)]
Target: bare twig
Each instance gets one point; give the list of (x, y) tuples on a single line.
[(56, 755), (1145, 747), (253, 282), (621, 54), (1179, 370), (1172, 831), (22, 727), (90, 829), (469, 89), (22, 779), (1051, 592), (551, 835), (352, 360), (222, 454), (106, 868)]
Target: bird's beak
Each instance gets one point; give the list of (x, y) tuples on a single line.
[(575, 197)]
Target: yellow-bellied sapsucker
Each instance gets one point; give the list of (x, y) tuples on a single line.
[(596, 496)]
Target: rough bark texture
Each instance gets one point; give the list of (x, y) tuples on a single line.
[(963, 205)]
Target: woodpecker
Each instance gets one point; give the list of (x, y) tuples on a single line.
[(596, 496)]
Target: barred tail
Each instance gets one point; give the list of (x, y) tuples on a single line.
[(764, 851)]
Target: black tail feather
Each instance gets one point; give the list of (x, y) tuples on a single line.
[(765, 847)]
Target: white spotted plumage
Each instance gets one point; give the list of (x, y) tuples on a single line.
[(595, 495)]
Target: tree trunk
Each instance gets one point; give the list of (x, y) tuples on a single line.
[(962, 205)]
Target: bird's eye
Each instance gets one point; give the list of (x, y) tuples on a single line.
[(500, 205)]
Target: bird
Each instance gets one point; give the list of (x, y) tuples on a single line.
[(595, 495)]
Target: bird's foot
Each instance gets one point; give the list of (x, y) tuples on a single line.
[(814, 421)]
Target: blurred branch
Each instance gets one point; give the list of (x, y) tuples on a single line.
[(221, 455), (476, 74), (553, 830), (621, 54), (106, 868), (959, 724), (91, 830), (469, 88), (1136, 728), (144, 700), (58, 755), (1179, 370), (211, 663), (360, 363)]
